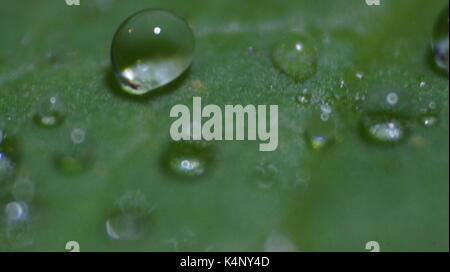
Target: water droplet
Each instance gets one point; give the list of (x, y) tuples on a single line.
[(317, 142), (8, 157), (77, 157), (422, 84), (189, 159), (441, 41), (296, 57), (279, 243), (18, 228), (50, 113), (134, 203), (303, 99), (267, 174), (124, 227), (23, 189), (16, 211), (359, 75), (428, 120), (151, 49), (384, 128), (6, 167), (78, 135), (392, 98)]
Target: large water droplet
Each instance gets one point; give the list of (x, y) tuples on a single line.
[(441, 41), (188, 159), (50, 112), (151, 49), (296, 57), (384, 127)]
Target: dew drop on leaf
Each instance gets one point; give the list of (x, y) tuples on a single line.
[(151, 49), (441, 41), (188, 159), (50, 112), (124, 227), (428, 120), (384, 127), (295, 56), (77, 158)]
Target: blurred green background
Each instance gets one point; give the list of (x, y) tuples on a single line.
[(296, 198)]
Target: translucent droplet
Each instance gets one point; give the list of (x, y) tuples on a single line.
[(23, 189), (441, 41), (19, 234), (50, 113), (319, 141), (392, 98), (18, 229), (267, 175), (8, 157), (296, 57), (428, 120), (151, 49), (7, 167), (279, 243), (303, 99), (124, 227), (16, 211), (78, 135), (78, 156), (188, 159), (134, 203), (384, 128)]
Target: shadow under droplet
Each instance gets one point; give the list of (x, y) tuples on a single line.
[(115, 88)]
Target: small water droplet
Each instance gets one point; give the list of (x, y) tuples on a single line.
[(422, 84), (303, 99), (78, 135), (151, 49), (296, 57), (23, 189), (77, 158), (279, 243), (16, 211), (188, 159), (50, 113), (134, 203), (359, 75), (18, 229), (392, 98), (7, 167), (8, 157), (384, 128), (267, 174), (321, 132), (428, 120), (441, 41), (124, 227)]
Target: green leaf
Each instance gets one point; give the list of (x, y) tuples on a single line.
[(326, 199)]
